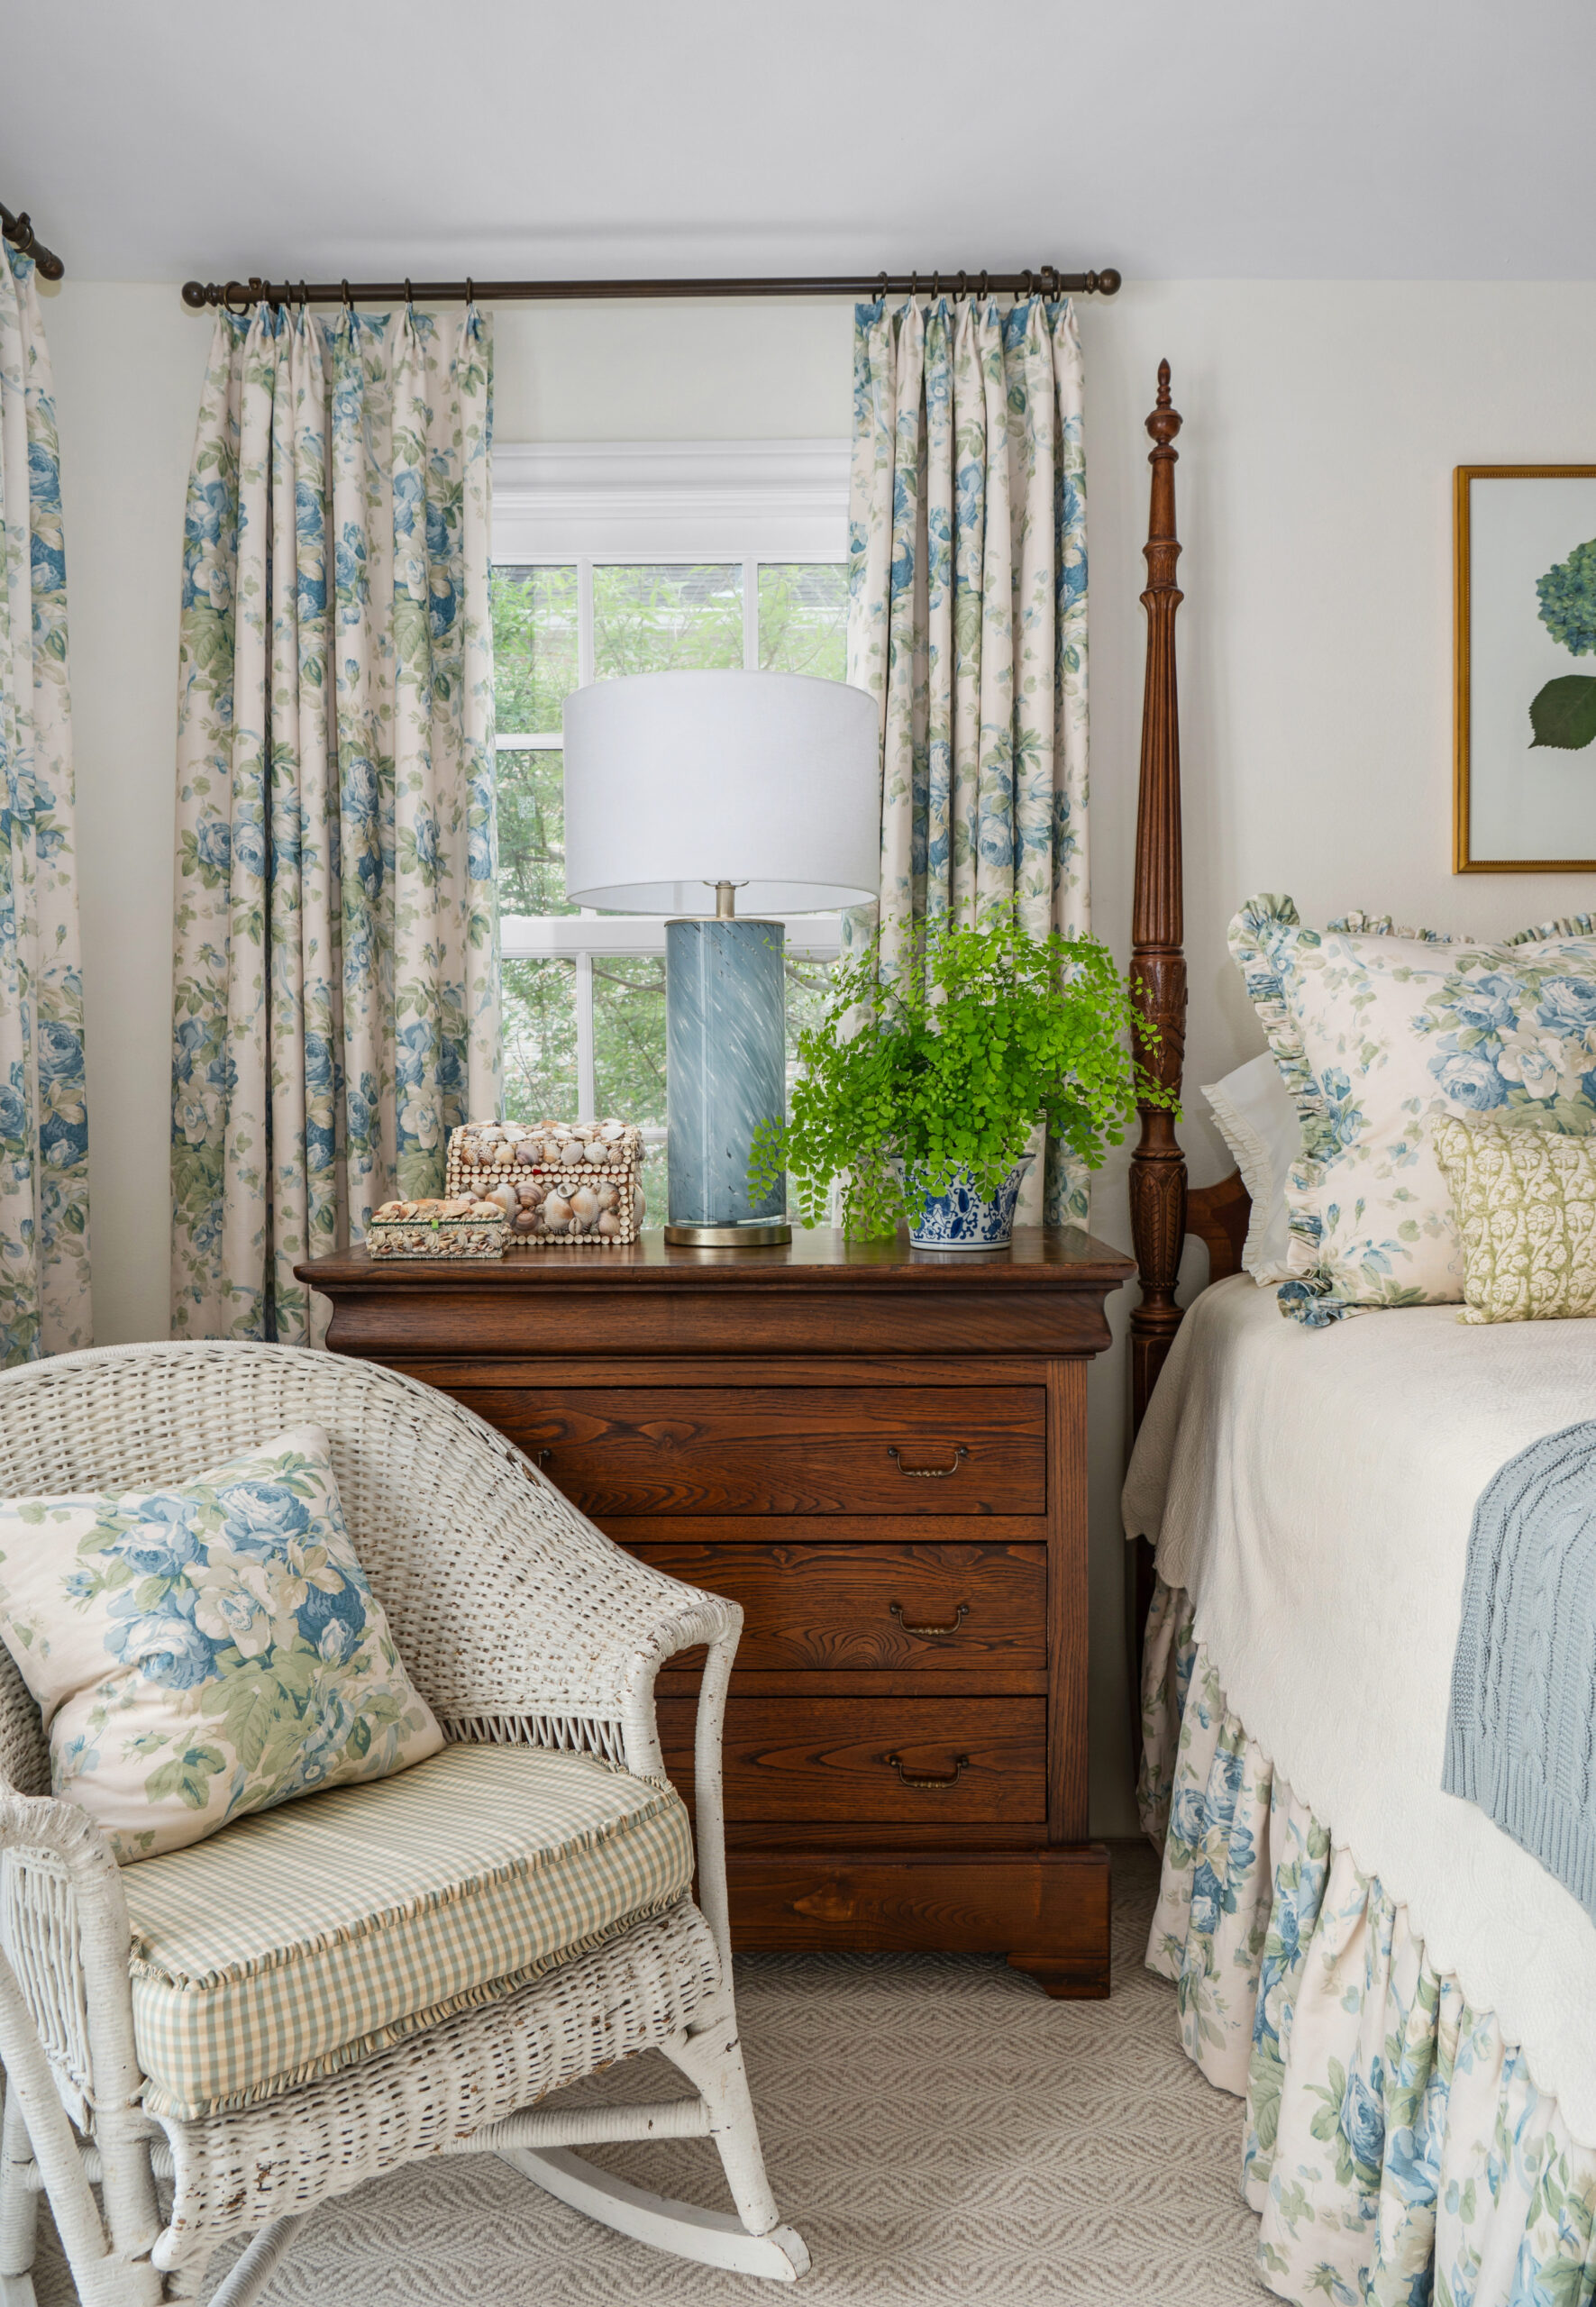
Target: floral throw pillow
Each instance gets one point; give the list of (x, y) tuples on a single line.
[(205, 1650), (1379, 1033)]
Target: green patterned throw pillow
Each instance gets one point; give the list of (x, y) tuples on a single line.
[(1525, 1206), (205, 1650)]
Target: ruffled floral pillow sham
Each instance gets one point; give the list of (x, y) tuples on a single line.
[(1378, 1033), (205, 1650)]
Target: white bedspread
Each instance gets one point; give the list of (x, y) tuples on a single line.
[(1313, 1490)]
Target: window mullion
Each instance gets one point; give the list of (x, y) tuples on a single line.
[(584, 621), (587, 1069)]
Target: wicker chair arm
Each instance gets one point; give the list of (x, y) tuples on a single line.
[(64, 1930), (553, 1630)]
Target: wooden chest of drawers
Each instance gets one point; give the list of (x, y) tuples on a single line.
[(882, 1456)]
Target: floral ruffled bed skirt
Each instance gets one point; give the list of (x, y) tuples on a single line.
[(1394, 2147)]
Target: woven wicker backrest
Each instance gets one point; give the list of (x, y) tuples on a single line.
[(445, 1516)]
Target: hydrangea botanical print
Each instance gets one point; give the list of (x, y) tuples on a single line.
[(967, 621), (1395, 2149), (336, 979), (205, 1650), (44, 1286), (1379, 1034)]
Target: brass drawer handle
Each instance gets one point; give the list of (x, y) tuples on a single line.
[(907, 1778), (962, 1611), (929, 1473)]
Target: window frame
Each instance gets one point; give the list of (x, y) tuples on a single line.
[(583, 505)]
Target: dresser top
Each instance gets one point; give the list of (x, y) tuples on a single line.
[(1041, 1257)]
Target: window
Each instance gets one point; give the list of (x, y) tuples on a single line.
[(611, 561)]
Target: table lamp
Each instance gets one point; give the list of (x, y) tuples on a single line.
[(684, 794)]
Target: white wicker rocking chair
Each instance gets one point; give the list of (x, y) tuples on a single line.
[(521, 1623)]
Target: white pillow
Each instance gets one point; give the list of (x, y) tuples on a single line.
[(1257, 1119)]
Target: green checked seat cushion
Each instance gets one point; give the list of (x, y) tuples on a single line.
[(301, 1939)]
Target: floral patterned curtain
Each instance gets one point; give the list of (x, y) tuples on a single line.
[(967, 619), (335, 974), (44, 1267)]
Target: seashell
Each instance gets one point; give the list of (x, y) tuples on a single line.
[(504, 1199), (556, 1213), (584, 1206), (608, 1224), (502, 1157), (489, 1133), (639, 1203), (525, 1221), (526, 1194), (595, 1150), (605, 1194), (612, 1130), (528, 1150), (487, 1209), (569, 1151)]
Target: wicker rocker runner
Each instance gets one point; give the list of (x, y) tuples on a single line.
[(526, 1630)]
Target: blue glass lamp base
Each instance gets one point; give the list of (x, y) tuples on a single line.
[(725, 1057)]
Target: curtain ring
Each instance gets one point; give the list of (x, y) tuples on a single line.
[(21, 234), (936, 284), (304, 296), (985, 291), (882, 291), (227, 288), (470, 290), (348, 303), (914, 285), (964, 287), (409, 294), (1027, 286)]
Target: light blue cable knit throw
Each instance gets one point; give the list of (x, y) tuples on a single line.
[(1521, 1732)]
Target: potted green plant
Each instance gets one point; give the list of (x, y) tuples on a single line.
[(921, 1087)]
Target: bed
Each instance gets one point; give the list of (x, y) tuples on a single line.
[(1403, 1999)]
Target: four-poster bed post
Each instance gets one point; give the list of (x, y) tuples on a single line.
[(1158, 965), (1163, 1210)]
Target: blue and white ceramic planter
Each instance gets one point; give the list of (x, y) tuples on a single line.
[(964, 1219)]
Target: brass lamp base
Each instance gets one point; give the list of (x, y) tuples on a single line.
[(754, 1236)]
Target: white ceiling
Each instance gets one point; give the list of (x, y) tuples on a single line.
[(1299, 139)]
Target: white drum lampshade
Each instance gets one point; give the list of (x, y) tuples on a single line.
[(677, 785)]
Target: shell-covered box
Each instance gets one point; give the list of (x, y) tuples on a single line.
[(468, 1227), (555, 1182)]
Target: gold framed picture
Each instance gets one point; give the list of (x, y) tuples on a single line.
[(1524, 617)]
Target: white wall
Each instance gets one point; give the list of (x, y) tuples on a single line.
[(1323, 422)]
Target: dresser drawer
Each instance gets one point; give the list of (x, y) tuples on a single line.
[(873, 1761), (933, 1608), (910, 1450)]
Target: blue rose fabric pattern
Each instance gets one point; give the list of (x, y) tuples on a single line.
[(1378, 1034), (1395, 2149), (44, 1239), (967, 621), (205, 1650), (335, 974)]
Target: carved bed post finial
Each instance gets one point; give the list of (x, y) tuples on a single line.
[(1158, 965)]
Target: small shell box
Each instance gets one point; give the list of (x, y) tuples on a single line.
[(557, 1182)]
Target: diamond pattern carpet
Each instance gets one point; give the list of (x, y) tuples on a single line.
[(937, 2131)]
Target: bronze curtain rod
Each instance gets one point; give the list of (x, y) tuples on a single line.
[(19, 231), (239, 295)]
